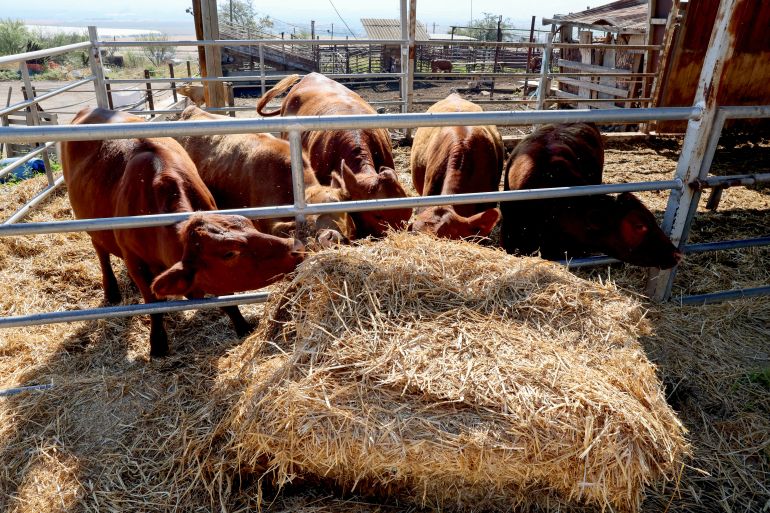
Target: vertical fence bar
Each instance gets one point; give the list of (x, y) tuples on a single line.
[(110, 104), (35, 117), (698, 146), (529, 57), (404, 56), (95, 62), (297, 176), (262, 68), (410, 64)]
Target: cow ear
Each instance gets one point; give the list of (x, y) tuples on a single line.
[(177, 280), (485, 221), (349, 179), (633, 229), (337, 181), (387, 174)]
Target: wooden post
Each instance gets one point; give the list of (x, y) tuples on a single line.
[(35, 118), (213, 59), (585, 57), (529, 57), (150, 100), (198, 18), (370, 58), (230, 97), (497, 56), (172, 85), (109, 96), (189, 71), (347, 57)]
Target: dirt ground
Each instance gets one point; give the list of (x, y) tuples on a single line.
[(86, 445)]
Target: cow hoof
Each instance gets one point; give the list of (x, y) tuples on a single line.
[(243, 329), (158, 346), (113, 297)]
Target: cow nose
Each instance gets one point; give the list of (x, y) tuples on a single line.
[(298, 249), (329, 238), (678, 256)]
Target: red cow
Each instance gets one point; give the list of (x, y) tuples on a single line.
[(367, 154), (571, 155), (254, 170), (455, 160), (437, 65), (206, 254)]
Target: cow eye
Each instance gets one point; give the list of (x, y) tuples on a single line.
[(230, 255)]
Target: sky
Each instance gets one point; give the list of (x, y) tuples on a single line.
[(169, 15)]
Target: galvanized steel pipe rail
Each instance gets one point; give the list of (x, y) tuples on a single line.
[(368, 121)]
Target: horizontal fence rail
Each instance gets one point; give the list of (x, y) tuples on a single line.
[(304, 123), (121, 223), (113, 312)]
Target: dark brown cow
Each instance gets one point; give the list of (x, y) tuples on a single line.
[(572, 155), (207, 254), (254, 170), (455, 160), (368, 173), (437, 65)]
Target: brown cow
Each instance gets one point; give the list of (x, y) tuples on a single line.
[(572, 155), (254, 170), (455, 160), (194, 92), (437, 65), (368, 173), (206, 254)]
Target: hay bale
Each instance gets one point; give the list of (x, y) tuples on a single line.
[(457, 376)]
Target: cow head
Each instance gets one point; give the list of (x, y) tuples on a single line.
[(445, 222), (623, 228), (332, 228), (373, 185), (223, 254)]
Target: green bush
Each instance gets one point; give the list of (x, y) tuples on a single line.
[(9, 74), (134, 60), (14, 36)]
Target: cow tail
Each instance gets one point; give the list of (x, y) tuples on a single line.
[(279, 88)]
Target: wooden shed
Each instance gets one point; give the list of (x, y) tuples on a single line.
[(624, 22), (387, 28)]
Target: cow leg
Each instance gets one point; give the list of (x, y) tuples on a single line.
[(241, 325), (109, 283), (143, 278)]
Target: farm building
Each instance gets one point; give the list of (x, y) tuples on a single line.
[(624, 22), (390, 29)]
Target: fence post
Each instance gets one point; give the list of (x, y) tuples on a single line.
[(33, 112), (150, 100), (95, 62), (698, 147), (411, 61), (189, 70), (529, 57), (173, 84), (297, 177), (262, 68), (545, 65), (404, 55)]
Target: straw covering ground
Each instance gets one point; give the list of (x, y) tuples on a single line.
[(119, 432), (457, 376)]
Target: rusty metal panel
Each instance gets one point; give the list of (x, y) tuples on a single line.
[(745, 76)]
